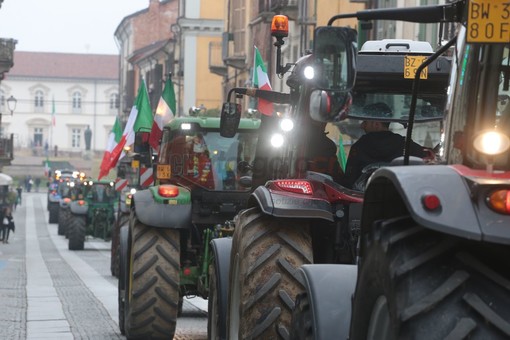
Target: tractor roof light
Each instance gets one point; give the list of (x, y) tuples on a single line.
[(280, 26), (168, 191), (499, 201), (491, 143)]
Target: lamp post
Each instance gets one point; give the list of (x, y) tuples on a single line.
[(11, 104)]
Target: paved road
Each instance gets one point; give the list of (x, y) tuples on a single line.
[(49, 292)]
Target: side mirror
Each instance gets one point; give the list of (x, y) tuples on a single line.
[(141, 144), (334, 54), (334, 71), (230, 118)]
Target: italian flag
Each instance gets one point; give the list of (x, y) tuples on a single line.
[(140, 118), (113, 140), (164, 113), (261, 80)]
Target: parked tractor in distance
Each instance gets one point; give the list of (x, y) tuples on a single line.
[(58, 189), (72, 193), (93, 215), (202, 182)]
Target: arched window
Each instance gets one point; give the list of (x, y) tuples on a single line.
[(39, 101), (114, 101), (76, 102)]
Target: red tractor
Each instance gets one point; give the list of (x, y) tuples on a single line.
[(433, 236), (297, 216)]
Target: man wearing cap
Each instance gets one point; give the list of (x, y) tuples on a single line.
[(377, 145)]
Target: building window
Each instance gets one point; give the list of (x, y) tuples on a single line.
[(38, 137), (76, 102), (39, 101), (239, 26), (114, 101), (75, 137)]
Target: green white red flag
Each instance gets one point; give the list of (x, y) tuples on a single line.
[(113, 139), (140, 118), (261, 80), (164, 113)]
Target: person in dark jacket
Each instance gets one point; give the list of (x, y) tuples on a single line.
[(377, 145)]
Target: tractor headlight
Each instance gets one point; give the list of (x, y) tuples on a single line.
[(491, 143), (277, 140), (132, 191), (309, 72)]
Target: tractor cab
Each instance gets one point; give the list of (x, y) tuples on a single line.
[(194, 154)]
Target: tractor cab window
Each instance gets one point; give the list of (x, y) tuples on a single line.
[(429, 113), (481, 106), (207, 159), (103, 193)]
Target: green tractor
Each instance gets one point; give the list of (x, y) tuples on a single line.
[(71, 190), (93, 215), (203, 181)]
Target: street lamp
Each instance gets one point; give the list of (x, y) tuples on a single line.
[(11, 104)]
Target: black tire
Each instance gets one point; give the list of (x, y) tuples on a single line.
[(213, 313), (53, 213), (100, 224), (115, 250), (415, 283), (302, 326), (63, 220), (123, 276), (264, 278), (76, 232), (151, 311)]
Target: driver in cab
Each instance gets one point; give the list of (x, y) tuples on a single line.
[(377, 145)]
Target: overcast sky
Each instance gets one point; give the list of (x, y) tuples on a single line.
[(75, 26)]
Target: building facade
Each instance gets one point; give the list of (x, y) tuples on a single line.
[(61, 98)]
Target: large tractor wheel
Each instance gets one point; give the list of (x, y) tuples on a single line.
[(115, 252), (213, 313), (219, 269), (264, 277), (415, 283), (153, 285), (76, 232), (63, 220), (53, 212), (123, 275)]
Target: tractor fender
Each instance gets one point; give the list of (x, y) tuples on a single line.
[(330, 288), (78, 209), (296, 206), (222, 247), (406, 185), (160, 215)]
